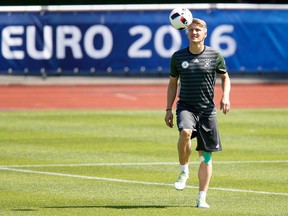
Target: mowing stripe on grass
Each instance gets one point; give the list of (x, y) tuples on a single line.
[(139, 164), (134, 182)]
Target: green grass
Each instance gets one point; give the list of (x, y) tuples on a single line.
[(61, 163)]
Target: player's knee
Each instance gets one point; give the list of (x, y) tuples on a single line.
[(206, 158), (186, 133)]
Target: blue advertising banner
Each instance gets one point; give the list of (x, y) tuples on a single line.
[(134, 41)]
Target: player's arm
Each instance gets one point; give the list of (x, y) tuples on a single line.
[(171, 95), (171, 92), (226, 86)]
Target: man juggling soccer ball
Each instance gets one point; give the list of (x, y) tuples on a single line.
[(196, 68)]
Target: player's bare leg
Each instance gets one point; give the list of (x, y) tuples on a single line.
[(184, 146), (184, 152), (204, 176)]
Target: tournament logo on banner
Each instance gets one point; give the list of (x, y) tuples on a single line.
[(136, 41)]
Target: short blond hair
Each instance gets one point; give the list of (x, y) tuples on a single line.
[(200, 22)]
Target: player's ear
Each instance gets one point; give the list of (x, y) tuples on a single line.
[(205, 34), (187, 33)]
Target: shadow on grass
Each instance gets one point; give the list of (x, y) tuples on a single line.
[(111, 207), (107, 207), (24, 210)]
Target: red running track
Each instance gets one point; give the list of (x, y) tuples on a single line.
[(129, 97)]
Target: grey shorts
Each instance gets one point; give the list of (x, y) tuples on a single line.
[(205, 129)]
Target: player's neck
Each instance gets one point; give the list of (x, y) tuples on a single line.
[(196, 48)]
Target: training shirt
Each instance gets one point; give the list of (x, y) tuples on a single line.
[(197, 74)]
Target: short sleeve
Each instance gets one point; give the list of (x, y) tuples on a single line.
[(220, 64), (173, 68)]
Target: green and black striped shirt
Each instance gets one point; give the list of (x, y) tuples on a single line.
[(197, 74)]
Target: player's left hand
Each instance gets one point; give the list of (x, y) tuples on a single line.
[(225, 105)]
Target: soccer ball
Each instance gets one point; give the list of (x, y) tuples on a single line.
[(180, 18)]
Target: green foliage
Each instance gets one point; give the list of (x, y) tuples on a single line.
[(125, 163)]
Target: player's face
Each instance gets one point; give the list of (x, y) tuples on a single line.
[(196, 33)]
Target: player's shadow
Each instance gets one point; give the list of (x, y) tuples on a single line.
[(111, 207), (123, 207)]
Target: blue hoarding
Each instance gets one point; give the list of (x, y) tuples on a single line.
[(136, 41)]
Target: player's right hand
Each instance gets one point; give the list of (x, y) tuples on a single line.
[(169, 118)]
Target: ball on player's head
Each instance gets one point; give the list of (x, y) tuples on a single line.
[(180, 18)]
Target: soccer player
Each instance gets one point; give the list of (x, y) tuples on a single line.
[(196, 67)]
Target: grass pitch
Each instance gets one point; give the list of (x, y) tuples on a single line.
[(125, 163)]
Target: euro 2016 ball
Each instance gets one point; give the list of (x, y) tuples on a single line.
[(180, 18)]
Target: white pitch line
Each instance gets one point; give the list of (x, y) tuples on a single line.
[(139, 164), (126, 97), (84, 177), (135, 182), (93, 164)]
